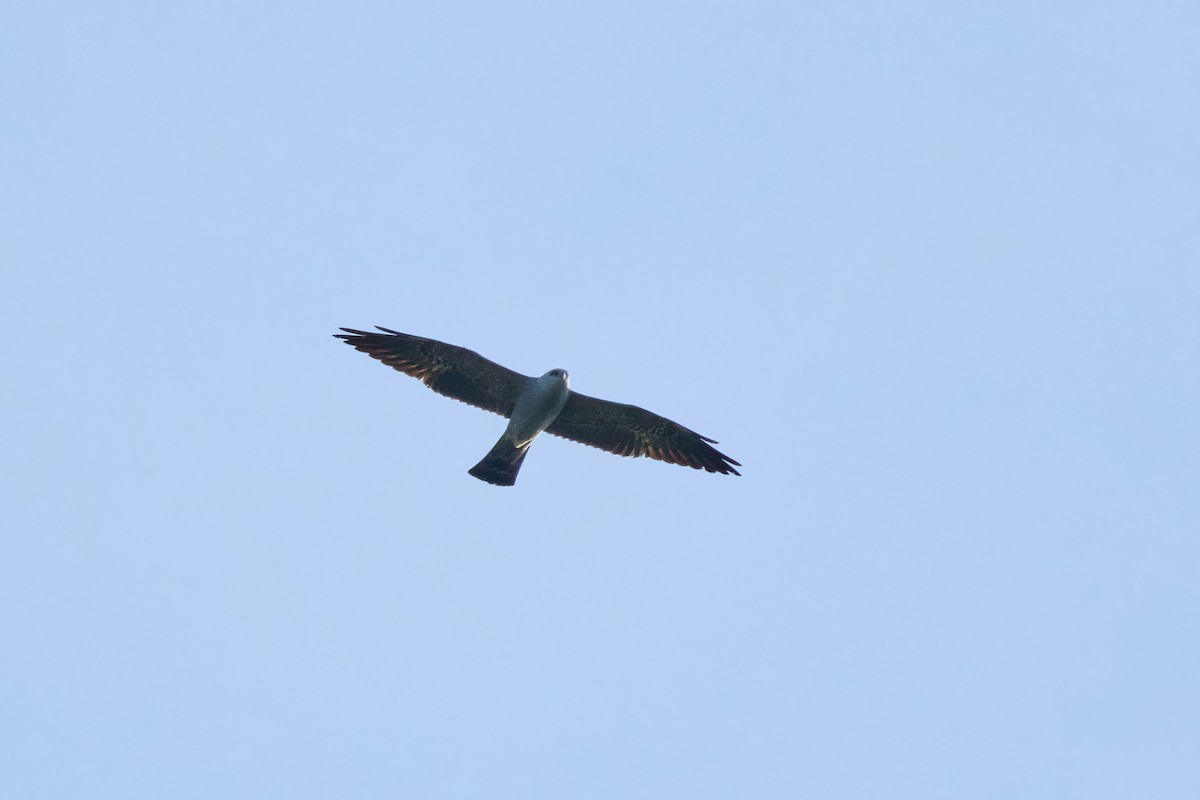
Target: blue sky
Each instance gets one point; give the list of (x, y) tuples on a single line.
[(929, 271)]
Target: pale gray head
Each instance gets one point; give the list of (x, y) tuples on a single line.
[(560, 374)]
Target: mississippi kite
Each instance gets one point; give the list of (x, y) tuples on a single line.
[(533, 405)]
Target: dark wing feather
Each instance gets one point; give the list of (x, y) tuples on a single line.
[(631, 431), (447, 369)]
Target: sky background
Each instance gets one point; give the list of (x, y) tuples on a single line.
[(930, 271)]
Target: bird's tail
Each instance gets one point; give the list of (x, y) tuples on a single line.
[(502, 463)]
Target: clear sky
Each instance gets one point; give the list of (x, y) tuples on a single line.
[(928, 270)]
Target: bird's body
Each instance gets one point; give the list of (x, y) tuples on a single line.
[(539, 403), (534, 405)]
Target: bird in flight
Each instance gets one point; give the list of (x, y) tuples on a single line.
[(533, 405)]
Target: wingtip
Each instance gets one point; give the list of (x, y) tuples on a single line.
[(724, 464), (357, 332), (725, 467)]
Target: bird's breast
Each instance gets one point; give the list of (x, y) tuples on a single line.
[(537, 406)]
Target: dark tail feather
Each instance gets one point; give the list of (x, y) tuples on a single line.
[(501, 465)]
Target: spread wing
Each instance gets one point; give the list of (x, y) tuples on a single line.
[(631, 431), (453, 371)]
